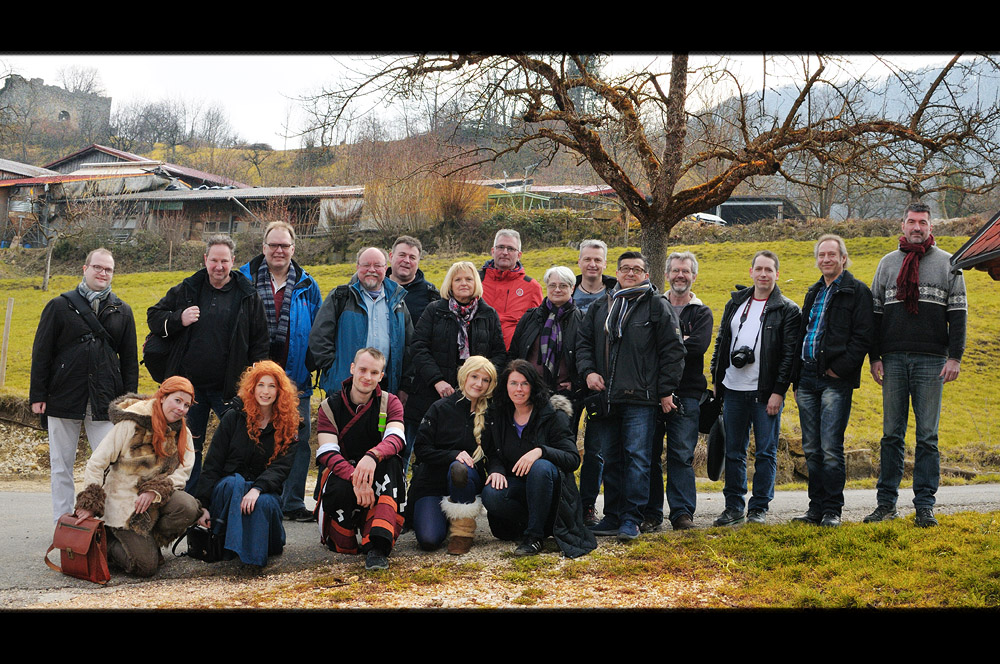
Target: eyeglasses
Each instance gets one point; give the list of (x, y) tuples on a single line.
[(503, 247), (275, 246), (628, 269), (101, 268), (371, 266)]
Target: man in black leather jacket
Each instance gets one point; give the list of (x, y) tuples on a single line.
[(751, 370)]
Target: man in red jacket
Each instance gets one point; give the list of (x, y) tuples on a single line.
[(506, 287)]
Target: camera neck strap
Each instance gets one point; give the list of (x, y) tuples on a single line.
[(743, 319)]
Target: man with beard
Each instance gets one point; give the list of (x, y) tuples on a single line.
[(681, 426), (920, 317)]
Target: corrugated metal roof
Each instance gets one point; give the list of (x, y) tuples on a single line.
[(54, 179), (354, 191), (24, 170), (173, 169), (581, 189)]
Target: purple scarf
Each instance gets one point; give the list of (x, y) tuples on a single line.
[(550, 338)]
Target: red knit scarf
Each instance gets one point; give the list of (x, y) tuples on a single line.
[(908, 279)]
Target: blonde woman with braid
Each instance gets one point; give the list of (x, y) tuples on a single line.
[(450, 468)]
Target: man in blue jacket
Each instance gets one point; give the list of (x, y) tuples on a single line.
[(291, 300), (367, 312)]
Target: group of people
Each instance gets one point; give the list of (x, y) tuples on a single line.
[(483, 385)]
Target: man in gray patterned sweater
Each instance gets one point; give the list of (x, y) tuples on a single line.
[(920, 319)]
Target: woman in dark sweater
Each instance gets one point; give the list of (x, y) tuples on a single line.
[(530, 491), (247, 464), (450, 467)]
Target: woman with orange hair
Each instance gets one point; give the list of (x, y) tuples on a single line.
[(248, 462), (135, 478)]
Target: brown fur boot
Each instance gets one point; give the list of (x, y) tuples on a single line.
[(461, 524)]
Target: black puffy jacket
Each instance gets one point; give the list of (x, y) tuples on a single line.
[(435, 351), (527, 331), (780, 342), (69, 367)]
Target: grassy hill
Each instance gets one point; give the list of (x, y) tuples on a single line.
[(968, 432)]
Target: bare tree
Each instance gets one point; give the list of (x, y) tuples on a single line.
[(634, 130), (85, 80)]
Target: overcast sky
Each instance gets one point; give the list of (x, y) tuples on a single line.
[(257, 91)]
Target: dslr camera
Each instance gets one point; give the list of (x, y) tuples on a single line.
[(741, 357)]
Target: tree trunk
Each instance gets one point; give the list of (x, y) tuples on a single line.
[(654, 248)]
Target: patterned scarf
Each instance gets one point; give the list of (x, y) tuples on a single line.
[(277, 325), (908, 279), (463, 314), (622, 300), (550, 339), (93, 297)]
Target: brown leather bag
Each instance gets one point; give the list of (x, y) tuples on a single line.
[(83, 549)]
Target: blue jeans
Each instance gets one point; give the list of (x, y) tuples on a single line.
[(740, 411), (824, 410), (526, 504), (626, 438), (591, 468), (294, 492), (197, 421), (430, 524), (916, 377), (681, 433), (410, 429)]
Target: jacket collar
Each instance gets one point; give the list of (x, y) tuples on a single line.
[(200, 278), (254, 265)]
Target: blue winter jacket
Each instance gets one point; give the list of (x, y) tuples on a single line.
[(341, 329), (306, 300)]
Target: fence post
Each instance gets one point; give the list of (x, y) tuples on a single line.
[(6, 338)]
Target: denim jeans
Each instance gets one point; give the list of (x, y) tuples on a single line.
[(681, 433), (430, 524), (592, 467), (740, 411), (294, 492), (916, 377), (197, 421), (525, 504), (824, 410), (626, 438), (410, 429)]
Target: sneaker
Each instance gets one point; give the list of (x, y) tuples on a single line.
[(811, 517), (925, 518), (605, 528), (628, 531), (301, 515), (830, 520), (376, 560), (650, 526), (882, 513), (531, 546), (730, 517), (590, 516), (757, 516), (683, 522)]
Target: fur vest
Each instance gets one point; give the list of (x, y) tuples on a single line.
[(125, 465)]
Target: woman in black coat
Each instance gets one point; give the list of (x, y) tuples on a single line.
[(450, 331), (546, 337), (530, 491), (450, 466)]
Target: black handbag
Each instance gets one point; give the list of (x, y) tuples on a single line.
[(710, 407), (155, 352), (203, 544)]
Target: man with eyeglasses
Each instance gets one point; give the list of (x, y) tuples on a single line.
[(370, 311), (631, 355), (84, 357), (291, 300), (506, 287), (218, 327)]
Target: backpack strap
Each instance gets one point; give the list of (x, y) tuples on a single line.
[(80, 305)]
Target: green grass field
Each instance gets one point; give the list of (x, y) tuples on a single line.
[(968, 432)]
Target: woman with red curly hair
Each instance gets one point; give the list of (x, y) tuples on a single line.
[(247, 463)]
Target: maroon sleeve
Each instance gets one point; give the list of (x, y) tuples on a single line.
[(328, 455), (393, 443)]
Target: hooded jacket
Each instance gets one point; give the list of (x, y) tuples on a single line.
[(69, 367), (779, 343), (125, 465), (511, 293), (341, 329), (305, 304), (249, 341)]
